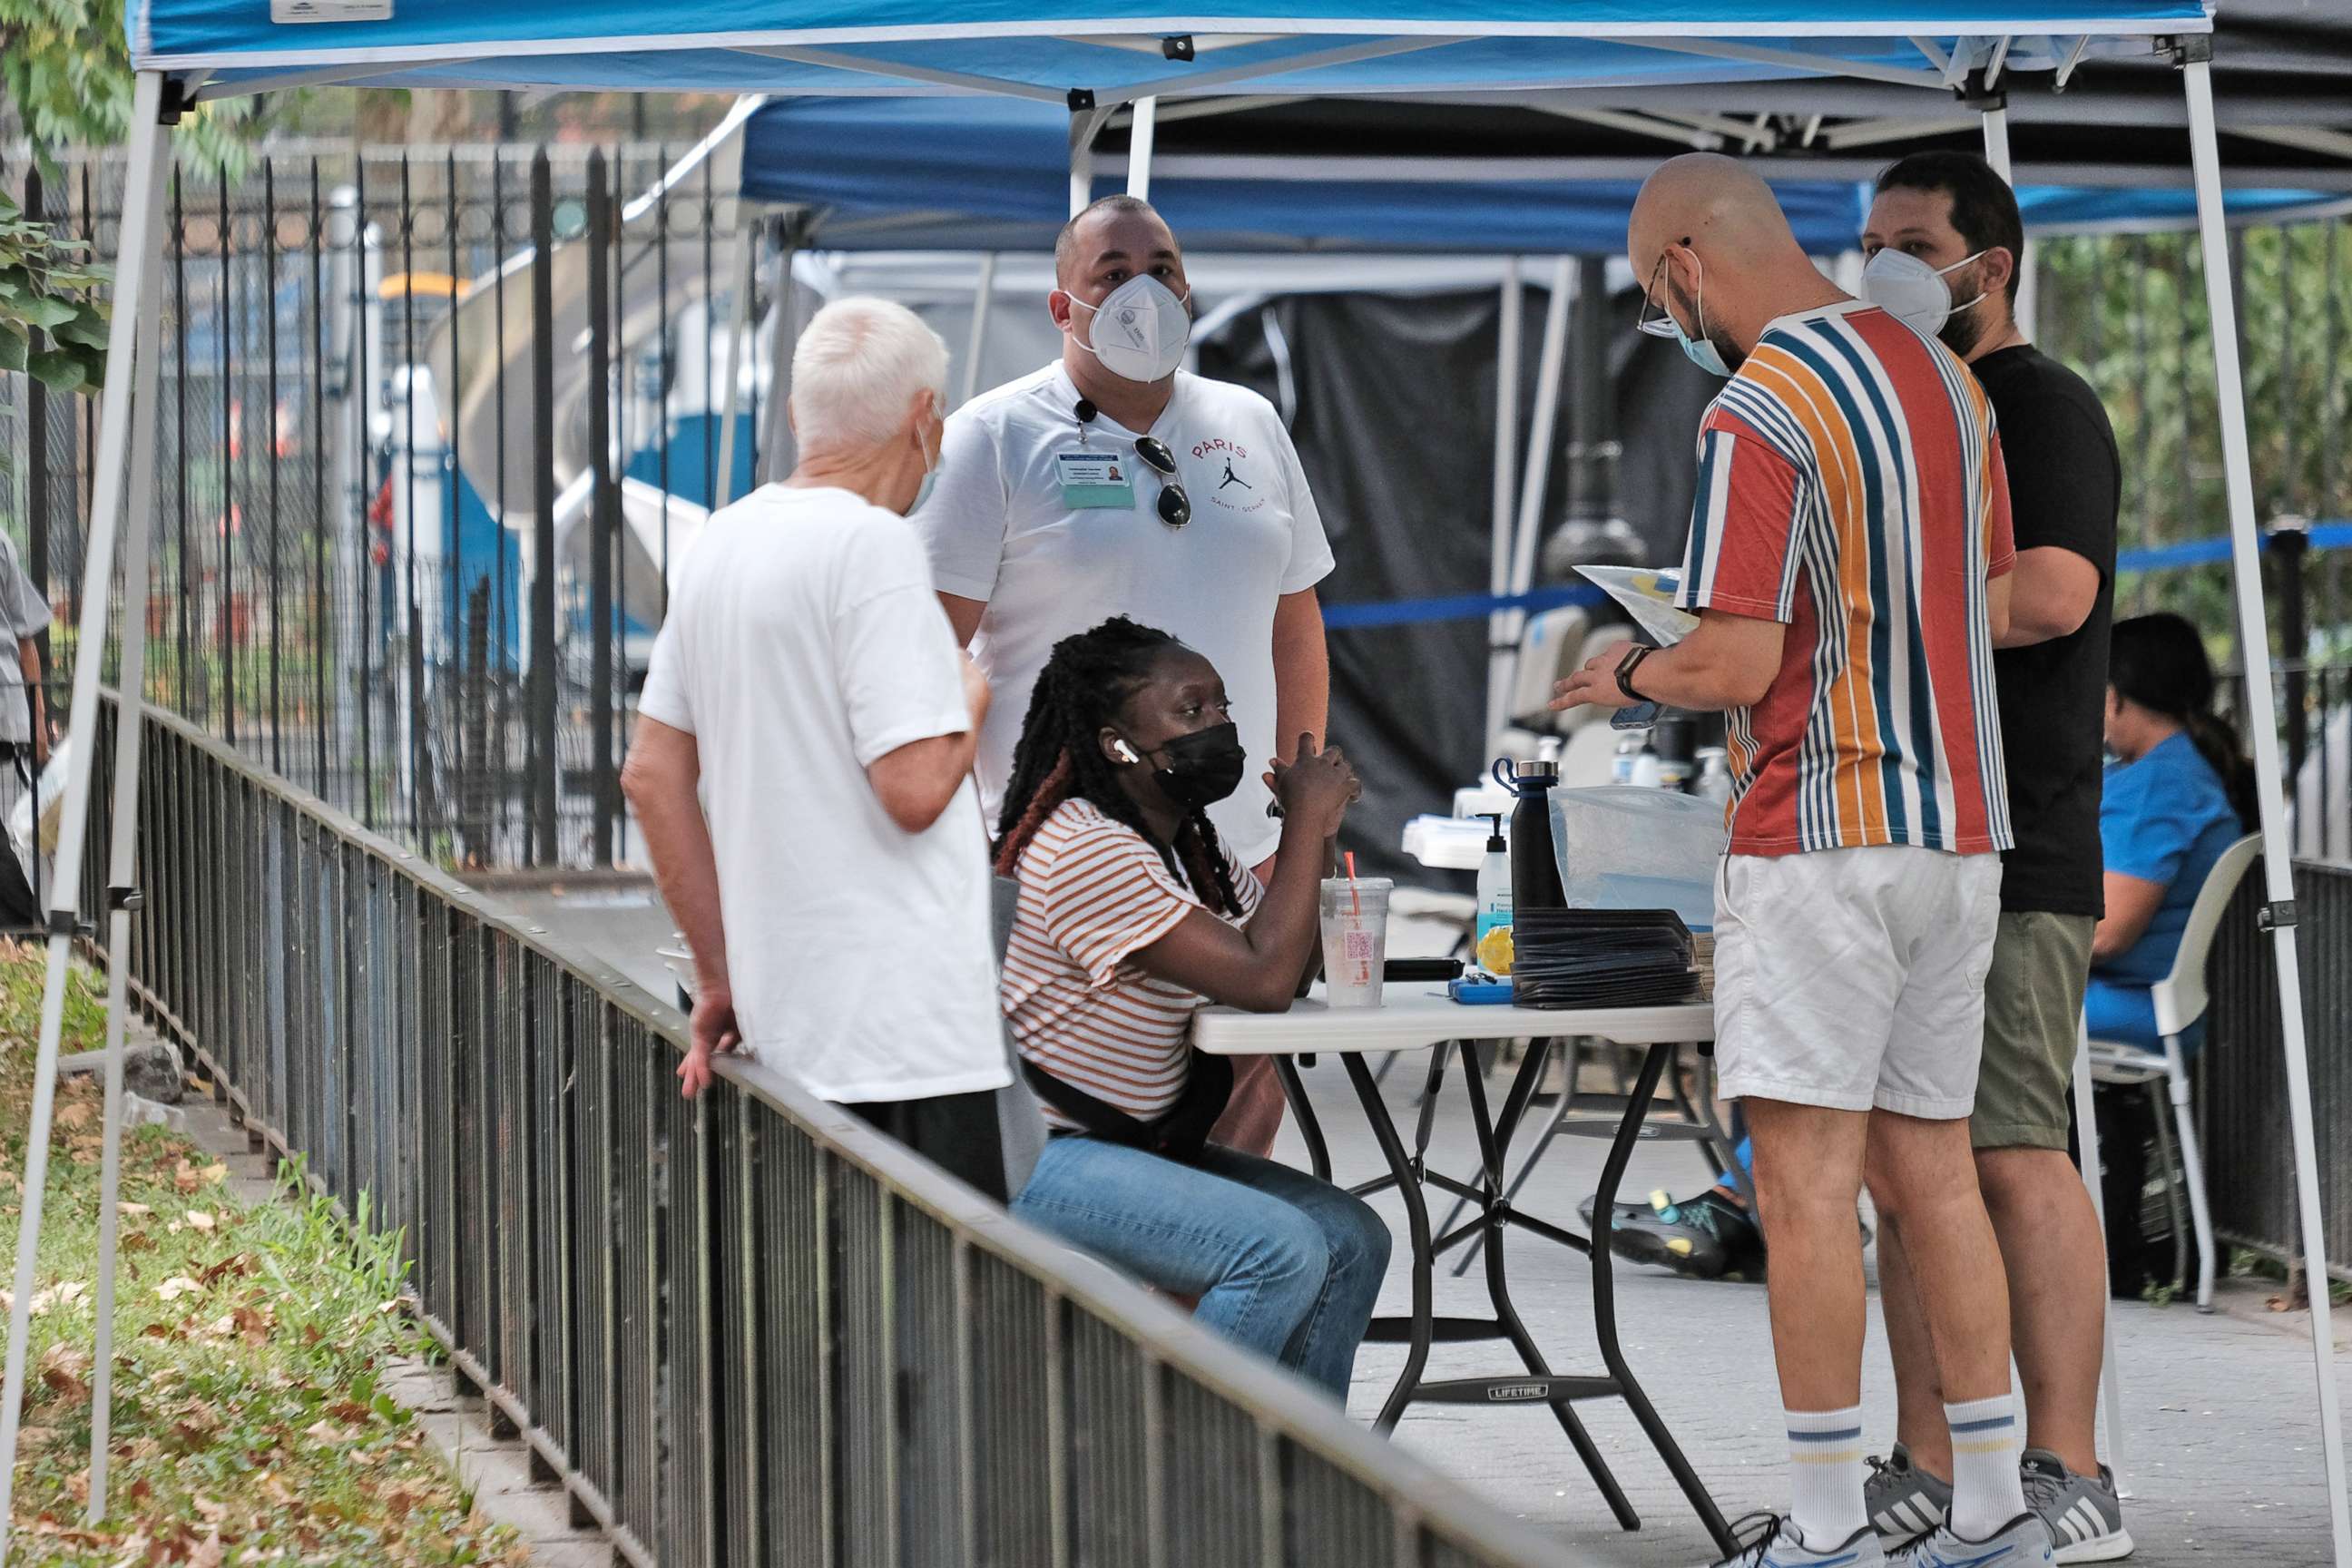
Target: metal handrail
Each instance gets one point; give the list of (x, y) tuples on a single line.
[(909, 1375)]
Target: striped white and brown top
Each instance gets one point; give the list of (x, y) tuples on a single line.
[(1094, 892)]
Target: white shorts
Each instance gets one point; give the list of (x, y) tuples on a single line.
[(1854, 978)]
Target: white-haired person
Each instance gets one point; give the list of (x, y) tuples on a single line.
[(801, 768)]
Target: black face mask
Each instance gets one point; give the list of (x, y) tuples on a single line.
[(1202, 768)]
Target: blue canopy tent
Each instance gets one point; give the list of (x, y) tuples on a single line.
[(1089, 57), (925, 173)]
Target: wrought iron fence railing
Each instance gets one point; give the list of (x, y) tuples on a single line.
[(747, 1329), (2243, 1096)]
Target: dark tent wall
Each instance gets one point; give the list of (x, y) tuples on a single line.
[(1392, 408)]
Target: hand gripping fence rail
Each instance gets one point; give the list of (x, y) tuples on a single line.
[(745, 1331)]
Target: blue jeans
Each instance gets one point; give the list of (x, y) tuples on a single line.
[(1284, 1265)]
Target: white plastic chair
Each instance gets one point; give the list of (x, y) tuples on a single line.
[(2181, 998)]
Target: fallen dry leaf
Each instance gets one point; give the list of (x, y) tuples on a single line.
[(207, 1554), (74, 1114), (256, 1326), (200, 1219), (238, 1263), (214, 1512), (62, 1370), (177, 1286), (350, 1410), (325, 1431), (132, 1211), (63, 1294)]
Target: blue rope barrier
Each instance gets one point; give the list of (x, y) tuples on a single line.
[(1475, 606), (1454, 607)]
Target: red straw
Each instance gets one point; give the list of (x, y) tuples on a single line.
[(1355, 904)]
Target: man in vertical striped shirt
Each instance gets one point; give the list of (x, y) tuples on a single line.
[(1848, 551)]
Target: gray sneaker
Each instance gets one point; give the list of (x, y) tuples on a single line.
[(2022, 1542), (1770, 1542), (1901, 1502), (2084, 1516)]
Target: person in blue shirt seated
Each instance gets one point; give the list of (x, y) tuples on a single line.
[(2179, 793)]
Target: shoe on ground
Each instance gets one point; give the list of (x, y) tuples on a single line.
[(2084, 1516), (1705, 1238), (1771, 1540), (1622, 1210), (1902, 1501), (2022, 1542)]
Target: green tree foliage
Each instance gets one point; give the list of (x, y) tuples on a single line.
[(52, 323), (65, 68), (2130, 313)]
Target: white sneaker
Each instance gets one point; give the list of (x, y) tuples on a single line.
[(2022, 1542), (1772, 1541)]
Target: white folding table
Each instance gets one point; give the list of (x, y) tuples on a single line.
[(1419, 1015)]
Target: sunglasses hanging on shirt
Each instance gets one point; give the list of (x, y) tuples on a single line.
[(1175, 507)]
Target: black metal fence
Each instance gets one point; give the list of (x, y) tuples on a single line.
[(379, 414), (747, 1329), (2242, 1093), (2314, 721)]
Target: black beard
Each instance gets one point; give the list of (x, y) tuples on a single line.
[(1962, 330)]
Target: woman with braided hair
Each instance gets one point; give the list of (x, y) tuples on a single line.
[(1132, 916)]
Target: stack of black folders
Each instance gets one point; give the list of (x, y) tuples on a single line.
[(1601, 958)]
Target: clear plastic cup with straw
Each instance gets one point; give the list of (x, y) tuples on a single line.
[(1355, 937)]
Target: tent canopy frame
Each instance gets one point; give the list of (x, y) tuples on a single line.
[(2186, 37)]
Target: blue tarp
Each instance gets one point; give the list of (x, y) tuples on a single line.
[(994, 174), (1048, 47)]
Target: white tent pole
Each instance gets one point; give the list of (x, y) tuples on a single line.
[(1507, 438), (2029, 287), (1548, 368), (738, 325), (983, 297), (779, 453), (137, 257), (2262, 722), (2087, 1130), (1996, 139), (1084, 124), (1142, 128), (122, 866)]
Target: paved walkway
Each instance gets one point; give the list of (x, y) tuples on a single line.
[(2222, 1454)]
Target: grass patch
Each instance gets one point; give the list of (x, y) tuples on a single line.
[(249, 1423)]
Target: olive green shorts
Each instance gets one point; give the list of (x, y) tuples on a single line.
[(2033, 1010)]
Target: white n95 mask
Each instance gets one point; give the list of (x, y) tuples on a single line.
[(1140, 329), (1912, 293)]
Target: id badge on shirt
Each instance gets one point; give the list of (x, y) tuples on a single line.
[(1095, 480)]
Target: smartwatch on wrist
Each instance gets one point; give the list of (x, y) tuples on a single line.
[(1625, 668)]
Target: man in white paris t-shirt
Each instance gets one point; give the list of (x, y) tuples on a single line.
[(1112, 483), (832, 877)]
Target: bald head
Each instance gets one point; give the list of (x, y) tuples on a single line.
[(1715, 204), (1708, 237)]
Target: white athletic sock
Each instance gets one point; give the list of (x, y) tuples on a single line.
[(1985, 1492), (1825, 1476)]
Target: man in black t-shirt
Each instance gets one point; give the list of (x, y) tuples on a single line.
[(1944, 244)]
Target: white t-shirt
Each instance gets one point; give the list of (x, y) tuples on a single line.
[(998, 530), (804, 641)]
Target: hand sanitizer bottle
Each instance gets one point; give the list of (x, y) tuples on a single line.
[(1494, 880)]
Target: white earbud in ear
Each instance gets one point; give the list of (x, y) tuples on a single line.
[(1125, 750)]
